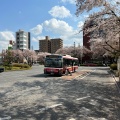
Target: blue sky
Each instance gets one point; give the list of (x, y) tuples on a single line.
[(53, 18)]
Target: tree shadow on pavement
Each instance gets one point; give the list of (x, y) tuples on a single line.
[(43, 75), (81, 100)]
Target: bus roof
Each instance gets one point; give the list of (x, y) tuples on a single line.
[(63, 56)]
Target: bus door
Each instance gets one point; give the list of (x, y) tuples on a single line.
[(67, 64)]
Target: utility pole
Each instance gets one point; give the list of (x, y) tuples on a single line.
[(74, 49), (118, 62)]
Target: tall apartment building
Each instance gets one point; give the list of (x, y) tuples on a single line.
[(44, 45), (22, 40), (50, 45), (86, 40), (56, 44)]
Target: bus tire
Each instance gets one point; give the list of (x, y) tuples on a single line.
[(60, 73)]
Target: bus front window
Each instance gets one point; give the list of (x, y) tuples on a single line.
[(55, 62)]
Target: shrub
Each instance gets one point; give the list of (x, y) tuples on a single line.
[(21, 65), (26, 66), (113, 66), (17, 65)]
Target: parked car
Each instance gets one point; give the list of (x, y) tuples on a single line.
[(1, 69)]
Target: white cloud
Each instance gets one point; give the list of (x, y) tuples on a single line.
[(64, 30), (57, 26), (67, 45), (85, 16), (69, 1), (77, 38), (5, 36), (61, 29), (60, 12), (36, 39), (80, 24), (37, 30)]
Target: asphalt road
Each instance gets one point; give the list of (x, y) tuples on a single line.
[(30, 95)]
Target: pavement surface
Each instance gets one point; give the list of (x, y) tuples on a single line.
[(74, 75), (117, 82), (89, 94)]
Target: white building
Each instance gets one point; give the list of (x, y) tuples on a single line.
[(22, 40)]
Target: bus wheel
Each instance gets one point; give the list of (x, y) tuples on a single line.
[(60, 74)]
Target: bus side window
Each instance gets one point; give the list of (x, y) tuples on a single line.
[(67, 62), (70, 62), (64, 63)]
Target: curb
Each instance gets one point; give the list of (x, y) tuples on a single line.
[(116, 83)]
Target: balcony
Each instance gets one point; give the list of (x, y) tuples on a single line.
[(22, 36), (23, 39), (23, 44), (23, 47)]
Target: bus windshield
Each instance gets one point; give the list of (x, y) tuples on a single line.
[(53, 62)]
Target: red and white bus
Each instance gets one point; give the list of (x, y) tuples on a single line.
[(58, 64)]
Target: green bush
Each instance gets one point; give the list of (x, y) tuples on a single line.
[(26, 66), (17, 65), (113, 66), (21, 65)]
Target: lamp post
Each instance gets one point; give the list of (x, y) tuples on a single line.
[(74, 50), (119, 50), (81, 55), (118, 62)]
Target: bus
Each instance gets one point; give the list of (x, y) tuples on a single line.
[(56, 64)]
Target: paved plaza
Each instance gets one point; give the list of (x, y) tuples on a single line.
[(89, 94)]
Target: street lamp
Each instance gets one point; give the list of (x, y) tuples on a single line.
[(81, 55)]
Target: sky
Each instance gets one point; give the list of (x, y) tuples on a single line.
[(53, 18)]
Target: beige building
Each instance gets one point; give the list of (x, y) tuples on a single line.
[(56, 44), (50, 45)]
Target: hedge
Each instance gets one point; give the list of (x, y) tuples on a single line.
[(113, 66)]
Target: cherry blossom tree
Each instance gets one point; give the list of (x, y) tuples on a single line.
[(33, 56), (65, 50), (18, 56), (97, 50), (78, 52), (103, 24), (41, 56), (29, 55)]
